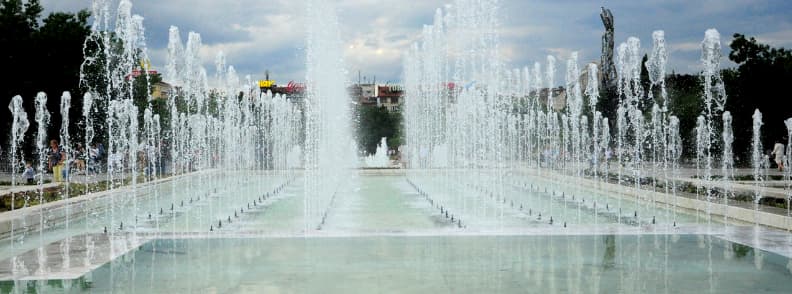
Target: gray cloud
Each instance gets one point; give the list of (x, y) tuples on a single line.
[(260, 35)]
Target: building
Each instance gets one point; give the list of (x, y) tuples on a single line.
[(293, 91), (388, 96), (161, 90)]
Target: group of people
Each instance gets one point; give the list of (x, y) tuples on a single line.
[(60, 163)]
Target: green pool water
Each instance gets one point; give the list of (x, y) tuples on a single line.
[(442, 264)]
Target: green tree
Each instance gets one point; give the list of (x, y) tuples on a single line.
[(374, 123), (758, 83), (684, 91), (40, 55)]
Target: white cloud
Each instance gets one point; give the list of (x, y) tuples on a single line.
[(259, 35)]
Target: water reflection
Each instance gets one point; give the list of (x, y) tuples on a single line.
[(456, 264)]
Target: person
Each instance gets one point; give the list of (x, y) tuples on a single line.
[(93, 158), (101, 150), (57, 158), (778, 151), (29, 173), (79, 157)]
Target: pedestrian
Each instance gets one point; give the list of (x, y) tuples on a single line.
[(93, 158), (30, 174), (778, 151), (79, 157), (57, 158)]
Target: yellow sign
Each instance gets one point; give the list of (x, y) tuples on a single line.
[(266, 83), (145, 64)]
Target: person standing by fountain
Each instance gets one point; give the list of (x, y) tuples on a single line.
[(29, 174), (79, 157), (56, 160), (778, 151)]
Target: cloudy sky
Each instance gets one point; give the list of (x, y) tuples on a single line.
[(258, 35)]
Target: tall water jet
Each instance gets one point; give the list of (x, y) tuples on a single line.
[(19, 126), (65, 142), (702, 145), (575, 107), (328, 155), (65, 139), (87, 108), (43, 120), (592, 92), (604, 147), (788, 168), (727, 160), (656, 67), (174, 67), (758, 161), (674, 154), (714, 101)]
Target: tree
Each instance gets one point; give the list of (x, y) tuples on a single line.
[(758, 83), (40, 55), (684, 91), (376, 123)]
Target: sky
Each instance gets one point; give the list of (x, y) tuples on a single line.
[(258, 35)]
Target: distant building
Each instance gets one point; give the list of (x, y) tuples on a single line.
[(293, 91), (161, 90), (388, 96)]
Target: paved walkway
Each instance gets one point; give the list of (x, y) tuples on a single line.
[(769, 188), (21, 186)]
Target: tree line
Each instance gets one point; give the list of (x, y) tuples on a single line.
[(40, 54)]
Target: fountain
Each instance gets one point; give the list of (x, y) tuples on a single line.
[(19, 126), (328, 152), (221, 183), (758, 159), (380, 158)]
